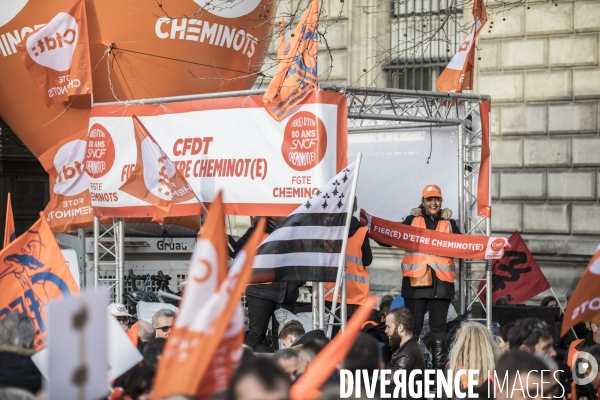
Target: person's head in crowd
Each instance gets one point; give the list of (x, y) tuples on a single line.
[(502, 301), (162, 321), (549, 301), (146, 333), (16, 329), (595, 326), (308, 352), (532, 335), (384, 308), (519, 369), (503, 336), (137, 382), (287, 360), (119, 311), (291, 331), (363, 355), (558, 378), (152, 352), (259, 379), (474, 348), (10, 393), (399, 325)]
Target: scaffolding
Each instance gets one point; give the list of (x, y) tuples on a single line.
[(372, 109)]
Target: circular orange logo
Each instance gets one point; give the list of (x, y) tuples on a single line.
[(497, 244), (99, 152), (304, 141)]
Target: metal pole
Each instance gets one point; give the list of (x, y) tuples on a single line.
[(96, 252), (488, 281), (321, 306), (462, 284), (344, 306), (120, 251), (315, 305), (342, 262)]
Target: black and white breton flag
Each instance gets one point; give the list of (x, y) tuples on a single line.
[(307, 245)]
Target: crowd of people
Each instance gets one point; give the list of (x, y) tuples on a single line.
[(406, 333)]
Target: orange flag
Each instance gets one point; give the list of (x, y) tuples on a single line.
[(9, 224), (155, 178), (32, 272), (484, 195), (458, 75), (205, 344), (584, 305), (321, 368), (57, 55), (296, 74), (133, 332), (70, 205)]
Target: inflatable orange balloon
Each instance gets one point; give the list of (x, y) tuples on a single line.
[(139, 49)]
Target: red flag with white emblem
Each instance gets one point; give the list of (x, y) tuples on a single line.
[(57, 56), (155, 179), (205, 344)]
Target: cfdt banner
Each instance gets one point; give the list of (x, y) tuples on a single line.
[(263, 167)]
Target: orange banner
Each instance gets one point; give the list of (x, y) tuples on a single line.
[(155, 179), (296, 74), (484, 194), (431, 242), (70, 206), (57, 56), (201, 353), (9, 224), (32, 272), (584, 304)]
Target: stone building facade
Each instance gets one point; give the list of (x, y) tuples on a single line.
[(540, 63)]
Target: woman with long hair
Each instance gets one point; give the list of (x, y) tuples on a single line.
[(474, 348), (427, 279)]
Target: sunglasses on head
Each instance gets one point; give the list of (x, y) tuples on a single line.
[(165, 329)]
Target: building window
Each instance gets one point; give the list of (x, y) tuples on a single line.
[(425, 35)]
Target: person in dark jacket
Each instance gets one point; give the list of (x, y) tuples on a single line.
[(17, 370), (263, 299), (406, 351), (435, 297)]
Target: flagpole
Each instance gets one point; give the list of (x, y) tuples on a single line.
[(562, 310), (342, 261), (199, 201)]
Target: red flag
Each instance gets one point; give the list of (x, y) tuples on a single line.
[(32, 272), (584, 304), (57, 55), (296, 74), (321, 368), (516, 276), (155, 178), (205, 344), (9, 224), (458, 75), (484, 197)]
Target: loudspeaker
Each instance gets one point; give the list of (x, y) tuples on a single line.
[(506, 314)]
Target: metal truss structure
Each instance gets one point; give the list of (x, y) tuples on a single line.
[(370, 109), (109, 252)]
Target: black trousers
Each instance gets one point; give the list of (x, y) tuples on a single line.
[(260, 311), (438, 311)]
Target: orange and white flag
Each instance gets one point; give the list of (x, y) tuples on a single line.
[(321, 368), (70, 205), (155, 179), (296, 74), (205, 344), (32, 272), (9, 224), (484, 194), (458, 75), (57, 55), (584, 304)]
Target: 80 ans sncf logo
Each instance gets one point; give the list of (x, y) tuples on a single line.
[(304, 141)]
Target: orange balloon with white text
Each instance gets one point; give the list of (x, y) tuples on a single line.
[(157, 49)]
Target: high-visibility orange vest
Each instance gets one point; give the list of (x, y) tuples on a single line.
[(357, 276), (414, 265), (571, 355)]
